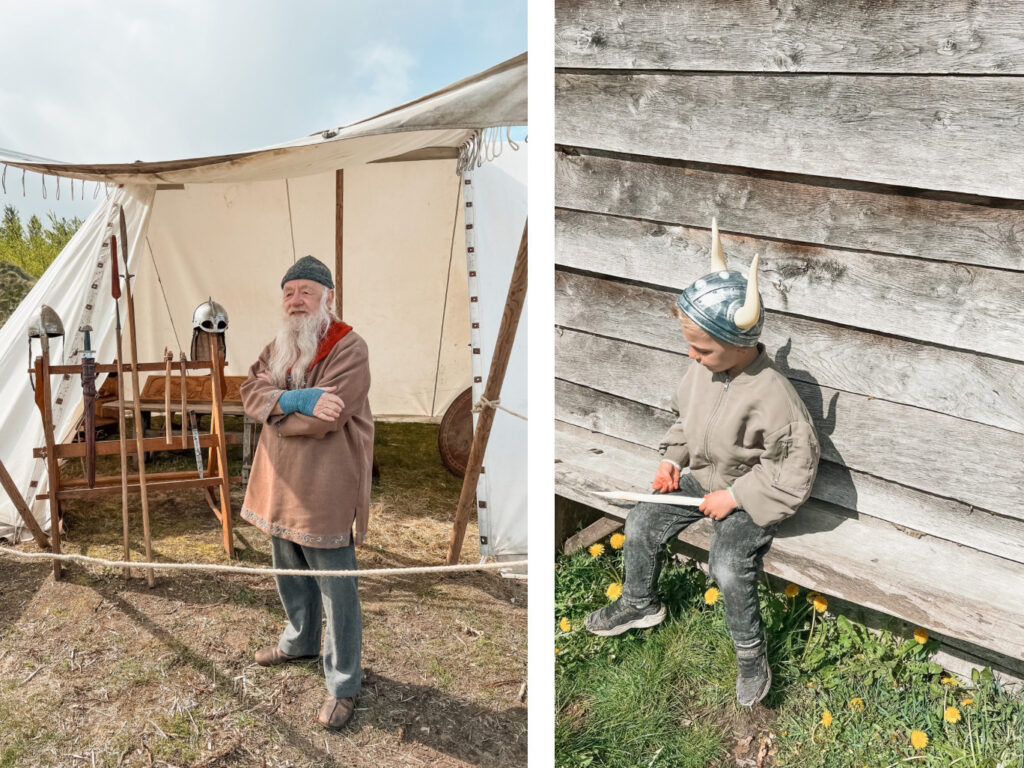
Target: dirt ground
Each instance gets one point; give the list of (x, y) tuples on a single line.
[(98, 671)]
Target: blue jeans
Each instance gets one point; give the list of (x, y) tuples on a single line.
[(737, 548), (307, 599)]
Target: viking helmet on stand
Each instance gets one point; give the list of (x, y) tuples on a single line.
[(209, 318), (45, 326), (723, 303)]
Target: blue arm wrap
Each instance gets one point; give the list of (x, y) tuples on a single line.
[(301, 400)]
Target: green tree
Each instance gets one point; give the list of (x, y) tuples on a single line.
[(33, 248)]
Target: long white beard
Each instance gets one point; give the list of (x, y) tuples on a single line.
[(295, 345)]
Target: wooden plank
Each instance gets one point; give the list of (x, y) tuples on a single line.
[(107, 490), (933, 453), (966, 307), (110, 447), (195, 365), (985, 231), (871, 564), (951, 133), (592, 533), (751, 36), (979, 388)]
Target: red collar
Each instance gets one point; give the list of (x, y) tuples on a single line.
[(335, 333)]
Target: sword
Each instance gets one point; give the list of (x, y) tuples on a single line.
[(89, 406), (195, 441), (653, 498), (168, 357)]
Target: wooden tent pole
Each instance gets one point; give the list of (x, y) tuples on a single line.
[(492, 391), (339, 238)]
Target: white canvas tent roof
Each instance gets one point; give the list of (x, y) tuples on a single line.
[(229, 226)]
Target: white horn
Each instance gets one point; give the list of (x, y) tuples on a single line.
[(746, 316), (717, 257)]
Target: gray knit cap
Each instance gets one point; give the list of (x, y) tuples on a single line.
[(309, 268)]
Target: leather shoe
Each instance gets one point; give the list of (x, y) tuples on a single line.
[(335, 713), (271, 656)]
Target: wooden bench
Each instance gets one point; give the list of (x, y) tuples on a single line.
[(957, 592)]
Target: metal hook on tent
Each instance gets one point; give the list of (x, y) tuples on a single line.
[(508, 138), (96, 189), (58, 187), (44, 186), (23, 182), (3, 180)]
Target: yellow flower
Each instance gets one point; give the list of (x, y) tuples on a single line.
[(921, 635), (712, 595), (596, 550), (951, 715), (792, 590), (564, 624), (948, 681), (919, 740), (614, 591), (811, 595), (826, 719), (617, 540), (967, 703), (857, 704), (820, 603), (556, 650)]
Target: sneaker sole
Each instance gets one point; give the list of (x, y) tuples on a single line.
[(643, 623)]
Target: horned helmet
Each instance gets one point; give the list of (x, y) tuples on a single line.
[(723, 303)]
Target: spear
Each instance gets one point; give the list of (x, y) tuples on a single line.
[(115, 291)]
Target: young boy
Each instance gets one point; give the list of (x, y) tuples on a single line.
[(752, 452)]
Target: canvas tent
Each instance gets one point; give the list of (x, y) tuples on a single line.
[(385, 198)]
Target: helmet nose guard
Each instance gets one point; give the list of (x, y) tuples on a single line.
[(723, 303)]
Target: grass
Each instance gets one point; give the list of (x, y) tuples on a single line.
[(665, 696)]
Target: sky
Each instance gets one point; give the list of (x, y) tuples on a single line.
[(120, 80)]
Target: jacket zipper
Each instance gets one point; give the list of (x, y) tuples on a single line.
[(707, 430)]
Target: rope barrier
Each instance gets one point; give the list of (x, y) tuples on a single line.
[(261, 571), (483, 402)]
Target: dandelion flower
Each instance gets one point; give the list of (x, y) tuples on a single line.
[(948, 681), (792, 590), (826, 719), (712, 595), (596, 550), (857, 704), (951, 715), (967, 703), (556, 650), (812, 595), (919, 740), (921, 635), (617, 540), (820, 603), (564, 624), (614, 591)]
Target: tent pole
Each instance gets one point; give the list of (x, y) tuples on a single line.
[(492, 391), (339, 236)]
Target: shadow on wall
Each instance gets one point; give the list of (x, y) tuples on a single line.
[(834, 484)]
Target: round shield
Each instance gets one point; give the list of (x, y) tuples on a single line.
[(455, 437)]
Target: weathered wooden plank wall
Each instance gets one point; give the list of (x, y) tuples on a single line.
[(870, 154)]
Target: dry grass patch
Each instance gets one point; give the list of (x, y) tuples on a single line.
[(97, 669)]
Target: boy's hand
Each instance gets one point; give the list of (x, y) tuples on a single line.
[(667, 478), (718, 505)]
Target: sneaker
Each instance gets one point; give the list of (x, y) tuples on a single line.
[(754, 676), (620, 617)]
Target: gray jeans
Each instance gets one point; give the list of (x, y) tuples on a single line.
[(737, 547), (307, 599)]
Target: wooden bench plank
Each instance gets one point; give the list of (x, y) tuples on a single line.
[(871, 564)]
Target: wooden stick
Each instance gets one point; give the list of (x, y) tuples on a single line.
[(122, 445), (43, 383), (19, 503), (217, 426), (339, 237), (134, 349), (168, 357), (492, 390), (184, 400)]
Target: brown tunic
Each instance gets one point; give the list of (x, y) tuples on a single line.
[(310, 479)]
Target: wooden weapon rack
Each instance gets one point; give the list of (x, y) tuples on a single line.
[(60, 490)]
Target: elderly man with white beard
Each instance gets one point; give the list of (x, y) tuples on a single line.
[(309, 488)]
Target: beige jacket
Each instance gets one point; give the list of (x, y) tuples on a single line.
[(751, 434), (310, 479)]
